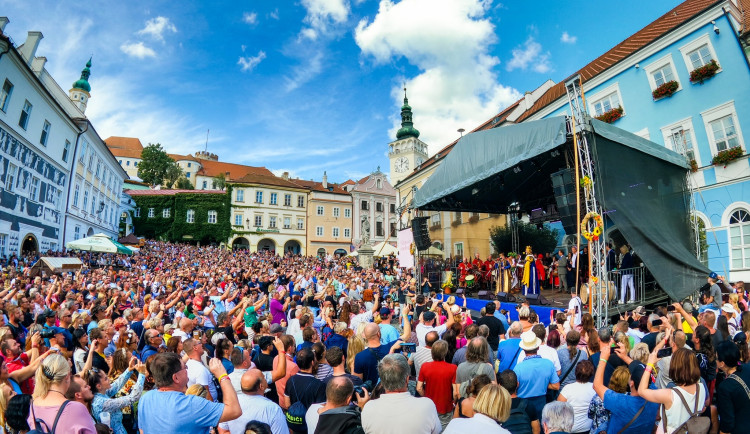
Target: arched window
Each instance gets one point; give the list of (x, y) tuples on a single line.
[(379, 184), (739, 239)]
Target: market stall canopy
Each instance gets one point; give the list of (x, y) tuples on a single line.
[(432, 251), (52, 265), (384, 249), (98, 243), (641, 187), (130, 239)]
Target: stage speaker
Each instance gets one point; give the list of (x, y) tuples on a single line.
[(420, 232), (537, 299), (460, 291), (563, 186), (505, 297), (484, 295)]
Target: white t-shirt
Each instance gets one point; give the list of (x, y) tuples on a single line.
[(360, 318), (544, 352), (579, 395), (312, 416), (199, 374), (576, 306), (180, 334), (257, 408), (422, 331)]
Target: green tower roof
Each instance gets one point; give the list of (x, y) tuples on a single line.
[(83, 82), (407, 126)]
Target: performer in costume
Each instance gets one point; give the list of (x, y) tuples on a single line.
[(463, 270), (503, 275), (530, 274), (516, 272), (540, 268), (487, 268)]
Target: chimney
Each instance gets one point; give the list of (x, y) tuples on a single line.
[(528, 100), (325, 180), (3, 22), (285, 175), (37, 64), (28, 49), (226, 176)]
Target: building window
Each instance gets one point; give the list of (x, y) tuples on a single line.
[(84, 147), (336, 211), (457, 217), (739, 239), (86, 201), (723, 128), (98, 168), (272, 222), (5, 95), (137, 212), (435, 219), (274, 199), (663, 75), (698, 52), (127, 163), (3, 243), (606, 104), (661, 71), (287, 222), (300, 224), (212, 216), (300, 201), (238, 219), (365, 205), (700, 56), (166, 212), (76, 193), (287, 200), (393, 208), (34, 190), (319, 231), (335, 232), (679, 137), (240, 195), (392, 229), (379, 231), (66, 152), (45, 133), (77, 233), (320, 210), (379, 206), (190, 216), (189, 164), (347, 233), (150, 213), (459, 250), (259, 196), (23, 121), (379, 184), (93, 204), (347, 213), (10, 178), (135, 164), (187, 175), (258, 220)]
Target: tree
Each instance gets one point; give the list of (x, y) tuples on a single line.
[(219, 181), (541, 240), (174, 172), (154, 164), (184, 184)]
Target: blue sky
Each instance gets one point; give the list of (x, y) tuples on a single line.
[(312, 85)]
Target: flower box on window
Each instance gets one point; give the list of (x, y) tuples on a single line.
[(693, 166), (474, 218), (611, 116), (665, 90), (700, 74), (727, 156)]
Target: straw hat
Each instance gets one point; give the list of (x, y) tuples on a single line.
[(529, 341)]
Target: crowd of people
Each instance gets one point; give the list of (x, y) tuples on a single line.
[(186, 339)]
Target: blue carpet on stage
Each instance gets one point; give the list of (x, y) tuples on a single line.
[(546, 313)]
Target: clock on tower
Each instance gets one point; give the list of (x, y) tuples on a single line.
[(407, 151)]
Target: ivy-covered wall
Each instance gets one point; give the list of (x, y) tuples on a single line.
[(175, 227)]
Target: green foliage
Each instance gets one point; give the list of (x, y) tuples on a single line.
[(154, 165), (174, 172), (541, 240), (219, 181), (175, 227), (184, 184)]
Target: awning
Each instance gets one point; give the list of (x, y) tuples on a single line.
[(640, 186), (53, 265)]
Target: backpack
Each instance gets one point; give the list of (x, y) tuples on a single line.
[(695, 424), (295, 415), (465, 384), (519, 421), (40, 426)]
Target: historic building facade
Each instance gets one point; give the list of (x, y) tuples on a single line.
[(329, 218), (374, 197)]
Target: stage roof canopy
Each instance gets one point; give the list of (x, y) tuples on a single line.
[(640, 185)]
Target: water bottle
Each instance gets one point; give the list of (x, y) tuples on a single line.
[(104, 418)]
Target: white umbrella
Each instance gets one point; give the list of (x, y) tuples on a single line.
[(98, 243), (384, 249)]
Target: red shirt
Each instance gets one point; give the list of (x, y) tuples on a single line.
[(21, 361), (438, 379)]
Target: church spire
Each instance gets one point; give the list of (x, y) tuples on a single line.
[(79, 93), (407, 126), (83, 82)]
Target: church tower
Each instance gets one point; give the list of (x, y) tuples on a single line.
[(407, 152), (79, 93)]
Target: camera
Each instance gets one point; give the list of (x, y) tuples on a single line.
[(664, 352), (47, 333), (358, 390)]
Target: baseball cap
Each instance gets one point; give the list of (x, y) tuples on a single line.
[(713, 275), (275, 328), (637, 370), (428, 315), (384, 311), (640, 310)]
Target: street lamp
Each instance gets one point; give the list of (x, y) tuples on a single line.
[(461, 130)]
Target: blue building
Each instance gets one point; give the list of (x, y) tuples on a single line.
[(683, 81)]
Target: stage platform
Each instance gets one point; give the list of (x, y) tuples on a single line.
[(559, 302)]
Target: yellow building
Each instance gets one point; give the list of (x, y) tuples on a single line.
[(329, 218)]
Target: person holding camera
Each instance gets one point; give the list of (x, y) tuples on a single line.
[(336, 415)]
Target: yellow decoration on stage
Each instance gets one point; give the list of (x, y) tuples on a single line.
[(598, 228)]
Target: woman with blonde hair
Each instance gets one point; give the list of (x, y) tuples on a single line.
[(52, 381), (355, 346), (491, 408)]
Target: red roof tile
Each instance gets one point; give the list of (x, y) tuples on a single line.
[(124, 143), (318, 186), (270, 179), (236, 171)]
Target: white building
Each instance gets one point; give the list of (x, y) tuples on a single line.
[(373, 196)]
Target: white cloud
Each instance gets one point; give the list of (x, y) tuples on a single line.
[(250, 18), (567, 39), (156, 27), (137, 49), (309, 69), (249, 63), (457, 86), (274, 14), (322, 15), (530, 55)]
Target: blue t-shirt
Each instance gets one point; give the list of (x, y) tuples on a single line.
[(503, 319), (177, 413), (507, 353), (534, 375), (366, 362), (624, 407), (388, 333), (336, 340)]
